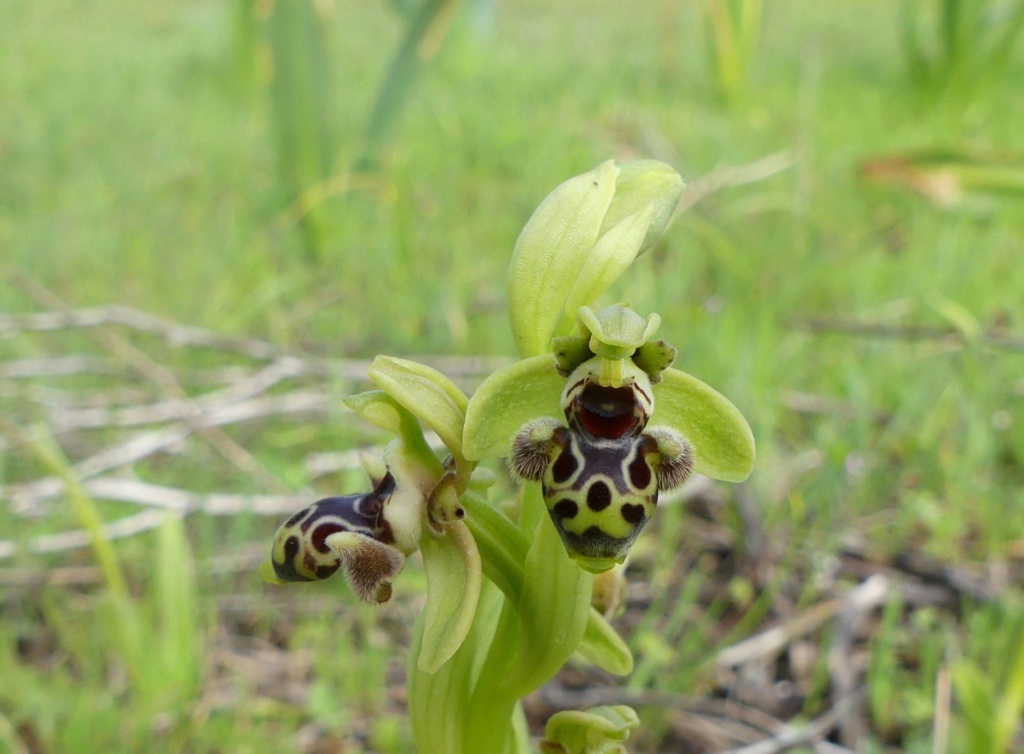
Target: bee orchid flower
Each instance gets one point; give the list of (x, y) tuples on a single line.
[(605, 424)]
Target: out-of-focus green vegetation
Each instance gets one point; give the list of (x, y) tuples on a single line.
[(957, 48), (873, 337)]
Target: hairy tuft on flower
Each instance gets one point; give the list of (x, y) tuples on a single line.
[(674, 462), (369, 565), (531, 449)]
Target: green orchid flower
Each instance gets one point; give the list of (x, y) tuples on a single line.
[(605, 424), (413, 506)]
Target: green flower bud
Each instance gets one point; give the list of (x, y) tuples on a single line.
[(600, 730)]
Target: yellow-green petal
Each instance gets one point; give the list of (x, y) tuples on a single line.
[(506, 400), (722, 441)]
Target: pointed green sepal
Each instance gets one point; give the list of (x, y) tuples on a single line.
[(643, 184), (426, 393), (602, 646), (722, 441), (506, 400), (550, 252), (454, 574), (600, 730)]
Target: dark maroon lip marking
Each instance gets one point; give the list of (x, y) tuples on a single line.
[(564, 467), (633, 514), (639, 472), (607, 412), (599, 497), (566, 509)]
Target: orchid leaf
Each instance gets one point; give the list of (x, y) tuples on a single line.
[(453, 569), (722, 441), (506, 400)]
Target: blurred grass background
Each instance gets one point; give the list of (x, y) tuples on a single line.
[(346, 178)]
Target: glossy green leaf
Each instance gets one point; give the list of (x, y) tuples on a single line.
[(550, 252), (453, 569), (506, 400), (603, 646), (426, 393), (600, 730), (722, 441), (503, 550)]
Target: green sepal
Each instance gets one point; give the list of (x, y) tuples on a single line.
[(454, 575), (506, 400), (722, 441), (551, 250), (426, 393), (645, 184), (614, 251), (599, 730), (602, 646)]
